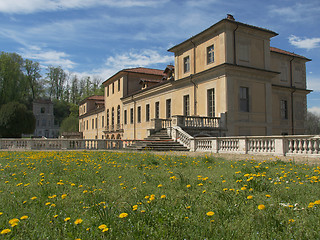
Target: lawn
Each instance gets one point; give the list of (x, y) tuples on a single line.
[(114, 195)]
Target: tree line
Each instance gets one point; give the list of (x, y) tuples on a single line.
[(23, 80)]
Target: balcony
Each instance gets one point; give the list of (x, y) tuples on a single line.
[(114, 128)]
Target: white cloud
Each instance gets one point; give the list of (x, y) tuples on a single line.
[(307, 43), (301, 11), (314, 83), (31, 6), (48, 57), (315, 110), (134, 58)]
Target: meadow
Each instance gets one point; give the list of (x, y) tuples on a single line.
[(118, 195)]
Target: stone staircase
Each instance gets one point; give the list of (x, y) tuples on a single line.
[(158, 141)]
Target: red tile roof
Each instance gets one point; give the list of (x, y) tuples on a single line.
[(277, 50), (145, 70), (95, 97)]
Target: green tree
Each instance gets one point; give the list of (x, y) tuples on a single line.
[(60, 111), (70, 124), (12, 79), (32, 74), (312, 124), (15, 120), (56, 78)]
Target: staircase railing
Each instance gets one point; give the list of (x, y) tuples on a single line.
[(181, 136)]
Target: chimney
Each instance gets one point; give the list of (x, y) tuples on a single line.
[(230, 17)]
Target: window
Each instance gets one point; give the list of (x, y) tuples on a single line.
[(210, 102), (102, 121), (125, 116), (92, 125), (284, 109), (84, 108), (186, 64), (210, 54), (119, 85), (186, 105), (118, 114), (131, 115), (96, 122), (108, 91), (168, 108), (87, 124), (157, 110), (43, 110), (147, 112), (112, 117), (44, 122), (108, 117), (113, 88), (244, 99), (139, 114)]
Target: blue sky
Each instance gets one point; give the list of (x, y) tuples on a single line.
[(101, 37)]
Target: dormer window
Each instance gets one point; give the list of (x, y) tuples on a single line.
[(186, 64)]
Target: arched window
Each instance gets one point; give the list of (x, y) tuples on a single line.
[(118, 114)]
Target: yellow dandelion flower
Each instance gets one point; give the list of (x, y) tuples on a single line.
[(163, 196), (105, 229), (14, 220), (210, 214), (55, 216), (317, 202), (291, 220), (250, 197), (188, 207), (78, 221), (1, 213), (261, 207), (160, 185), (123, 215), (212, 221), (204, 191), (311, 205), (103, 226), (5, 231), (143, 211), (33, 198), (243, 188), (63, 196), (188, 186), (24, 217), (267, 195), (67, 219)]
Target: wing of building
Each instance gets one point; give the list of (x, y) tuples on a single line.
[(226, 81)]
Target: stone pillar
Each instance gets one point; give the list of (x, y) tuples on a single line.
[(64, 144), (215, 146), (280, 146), (243, 146), (192, 145)]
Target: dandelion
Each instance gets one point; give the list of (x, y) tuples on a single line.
[(261, 207), (13, 221), (33, 198), (24, 217), (163, 196), (5, 231), (268, 196), (210, 214), (188, 207), (1, 213), (78, 221), (63, 196), (250, 197), (160, 185), (103, 226), (67, 219), (123, 215), (243, 188), (291, 220), (188, 186), (317, 202)]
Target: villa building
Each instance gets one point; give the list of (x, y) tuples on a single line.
[(226, 81)]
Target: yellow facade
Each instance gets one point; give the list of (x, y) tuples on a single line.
[(229, 70)]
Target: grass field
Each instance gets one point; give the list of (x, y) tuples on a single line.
[(109, 195)]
